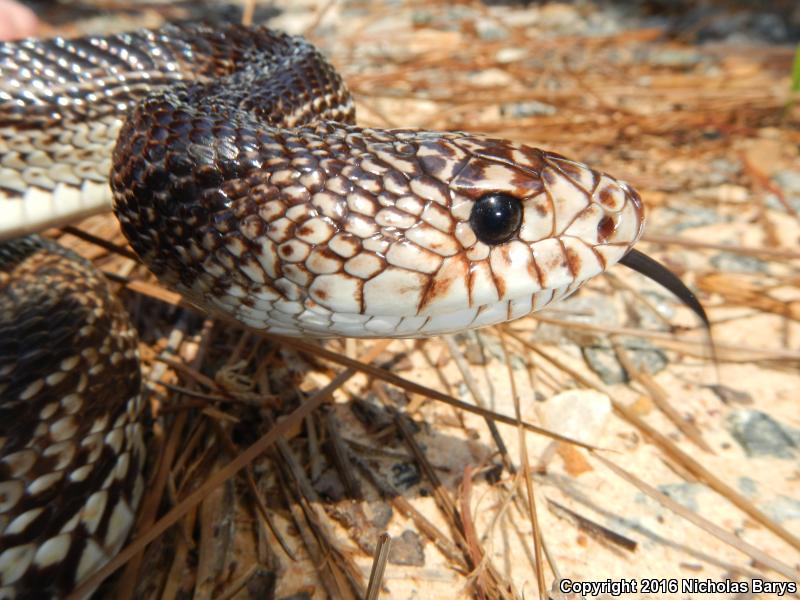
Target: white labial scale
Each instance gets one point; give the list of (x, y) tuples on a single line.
[(449, 287), (588, 263), (349, 318), (410, 325), (513, 264), (482, 285), (394, 292), (338, 292), (611, 252), (563, 292), (552, 262)]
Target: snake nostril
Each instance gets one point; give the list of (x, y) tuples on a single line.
[(495, 218)]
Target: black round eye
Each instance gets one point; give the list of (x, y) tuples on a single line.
[(495, 218)]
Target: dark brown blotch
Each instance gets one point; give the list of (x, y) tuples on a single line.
[(606, 199), (573, 260), (605, 228)]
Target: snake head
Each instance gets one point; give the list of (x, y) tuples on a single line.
[(472, 231)]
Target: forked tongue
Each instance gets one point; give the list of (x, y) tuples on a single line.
[(654, 270)]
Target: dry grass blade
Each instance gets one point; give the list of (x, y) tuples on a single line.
[(660, 397), (536, 530), (334, 565), (672, 450), (427, 528), (228, 471), (593, 528), (169, 451), (727, 537), (478, 396), (416, 388), (771, 253), (492, 585), (698, 347), (97, 241), (378, 566), (742, 291)]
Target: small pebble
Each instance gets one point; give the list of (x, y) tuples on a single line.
[(578, 414), (646, 357), (407, 549), (405, 475), (760, 435)]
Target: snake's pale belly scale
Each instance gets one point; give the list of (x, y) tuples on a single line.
[(241, 180)]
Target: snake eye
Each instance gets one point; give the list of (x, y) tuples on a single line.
[(495, 218)]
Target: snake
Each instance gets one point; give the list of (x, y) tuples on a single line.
[(232, 160)]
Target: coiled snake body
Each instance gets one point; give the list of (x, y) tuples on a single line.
[(239, 178)]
